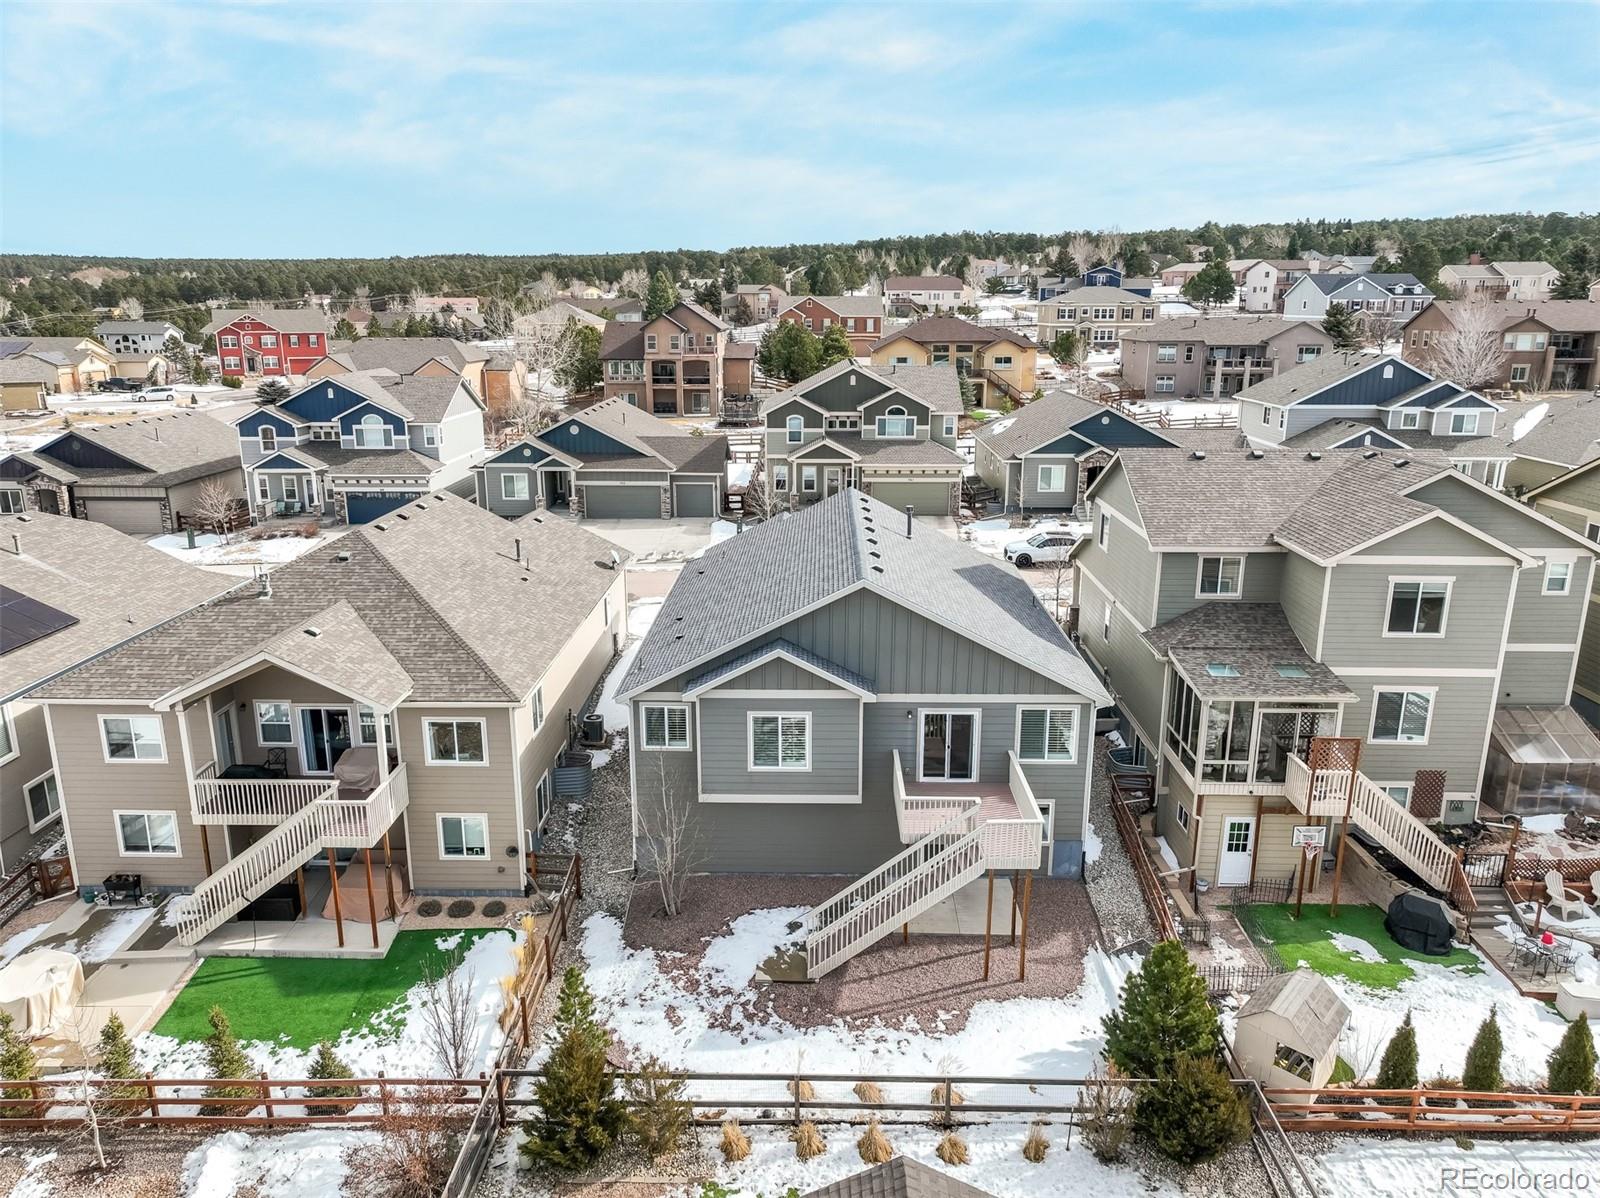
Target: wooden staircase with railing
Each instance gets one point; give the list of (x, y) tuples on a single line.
[(317, 823), (954, 839)]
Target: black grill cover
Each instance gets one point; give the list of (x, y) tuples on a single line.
[(1420, 923)]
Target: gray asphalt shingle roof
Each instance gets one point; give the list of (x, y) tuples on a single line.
[(172, 447), (1255, 640), (899, 1178), (406, 354), (1332, 284), (1308, 377), (114, 586), (772, 571), (437, 583), (735, 665), (284, 320), (1215, 330), (1038, 423)]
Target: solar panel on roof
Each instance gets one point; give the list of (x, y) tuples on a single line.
[(24, 620)]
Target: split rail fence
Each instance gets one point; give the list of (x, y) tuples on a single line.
[(1446, 1112)]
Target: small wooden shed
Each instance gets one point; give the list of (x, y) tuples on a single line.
[(1288, 1032)]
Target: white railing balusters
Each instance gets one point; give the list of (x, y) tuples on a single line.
[(1331, 792)]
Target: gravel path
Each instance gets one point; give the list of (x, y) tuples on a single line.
[(1113, 886)]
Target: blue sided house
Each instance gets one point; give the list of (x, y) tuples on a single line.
[(360, 445)]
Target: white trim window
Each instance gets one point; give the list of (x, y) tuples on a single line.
[(1417, 606), (780, 476), (463, 837), (795, 429), (274, 723), (1103, 536), (1557, 578), (132, 738), (8, 736), (1463, 424), (780, 740), (1400, 792), (1052, 479), (514, 485), (1591, 532), (455, 742), (666, 726), (1219, 577), (1001, 362), (1166, 353), (536, 704), (372, 432), (949, 426), (1047, 734), (896, 425), (44, 800), (263, 489), (1519, 373), (367, 726), (1401, 717), (430, 435), (1166, 383), (147, 833), (268, 437), (808, 480)]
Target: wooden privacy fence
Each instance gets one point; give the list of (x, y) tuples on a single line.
[(274, 1102), (41, 879), (1447, 1112)]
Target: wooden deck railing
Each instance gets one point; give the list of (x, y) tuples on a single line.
[(40, 879)]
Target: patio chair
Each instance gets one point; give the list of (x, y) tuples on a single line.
[(1568, 904), (277, 763), (1594, 886)]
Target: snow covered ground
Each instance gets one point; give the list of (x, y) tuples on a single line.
[(1396, 1168), (993, 535), (113, 935), (642, 615), (396, 1042), (17, 944), (238, 550), (302, 1162)]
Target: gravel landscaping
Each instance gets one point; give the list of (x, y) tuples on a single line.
[(1113, 887)]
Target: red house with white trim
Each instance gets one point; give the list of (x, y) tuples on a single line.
[(269, 342)]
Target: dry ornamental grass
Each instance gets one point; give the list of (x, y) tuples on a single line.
[(874, 1146), (867, 1091), (952, 1149), (808, 1141), (1036, 1145), (735, 1144)]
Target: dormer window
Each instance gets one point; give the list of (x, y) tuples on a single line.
[(1463, 424), (895, 423), (269, 438), (372, 432)]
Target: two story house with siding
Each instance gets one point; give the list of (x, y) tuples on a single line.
[(1216, 356), (70, 590), (268, 342), (1102, 316), (609, 461), (1046, 454), (1399, 296), (998, 364), (1386, 598), (887, 430), (362, 444), (1572, 500), (1351, 400), (388, 707), (870, 684), (860, 316)]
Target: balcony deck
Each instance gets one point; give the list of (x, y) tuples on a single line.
[(995, 801)]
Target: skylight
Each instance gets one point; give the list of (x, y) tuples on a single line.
[(1221, 669), (1290, 671)]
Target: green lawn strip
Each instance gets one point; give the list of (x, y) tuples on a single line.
[(1308, 940), (299, 1001)]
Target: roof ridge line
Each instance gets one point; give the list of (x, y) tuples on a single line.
[(437, 615)]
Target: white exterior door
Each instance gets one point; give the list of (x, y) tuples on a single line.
[(1234, 855)]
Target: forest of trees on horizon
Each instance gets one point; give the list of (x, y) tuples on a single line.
[(39, 296)]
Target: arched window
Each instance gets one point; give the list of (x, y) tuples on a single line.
[(269, 438), (895, 423), (797, 429), (372, 432)]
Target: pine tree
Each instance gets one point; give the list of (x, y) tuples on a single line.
[(343, 330), (579, 1114), (272, 391), (835, 346), (17, 1064), (1164, 1015), (1340, 324), (1213, 284), (225, 1060), (1482, 1071), (1572, 1063), (742, 314), (1398, 1069), (1195, 1113), (328, 1067), (115, 1059), (662, 296)]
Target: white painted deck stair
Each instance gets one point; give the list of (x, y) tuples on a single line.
[(952, 843), (1374, 813), (327, 822)]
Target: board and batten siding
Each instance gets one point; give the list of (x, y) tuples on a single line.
[(724, 747), (1180, 579)]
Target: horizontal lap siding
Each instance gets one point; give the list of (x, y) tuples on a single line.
[(472, 790), (1033, 497), (1535, 678), (1358, 613), (1177, 795), (1540, 619), (1263, 582), (493, 498), (33, 759), (92, 789), (1136, 675), (1456, 735), (725, 748), (1301, 597)]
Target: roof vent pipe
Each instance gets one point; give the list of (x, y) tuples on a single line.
[(263, 584), (16, 544), (911, 513)]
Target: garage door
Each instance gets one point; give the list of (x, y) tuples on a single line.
[(930, 499), (366, 506), (136, 517), (694, 499), (622, 503)]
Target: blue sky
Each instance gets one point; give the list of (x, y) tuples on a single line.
[(266, 129)]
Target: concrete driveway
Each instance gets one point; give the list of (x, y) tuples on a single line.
[(655, 540)]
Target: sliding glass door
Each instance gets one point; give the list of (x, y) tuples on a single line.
[(949, 746)]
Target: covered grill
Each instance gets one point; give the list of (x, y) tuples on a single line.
[(1420, 923)]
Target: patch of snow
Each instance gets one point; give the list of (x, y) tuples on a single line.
[(1529, 421), (740, 473), (642, 615), (1587, 924), (32, 1184), (731, 960), (1403, 1168), (16, 944), (210, 550), (993, 535), (1000, 426), (1358, 948), (109, 938), (174, 909), (1544, 823), (1091, 846), (1226, 955), (1168, 857), (279, 1166), (396, 1041), (446, 943)]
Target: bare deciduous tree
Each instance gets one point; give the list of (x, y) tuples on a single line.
[(1110, 242), (413, 1152), (543, 290), (540, 342), (1081, 249), (213, 504), (673, 845), (1380, 328), (634, 282), (448, 1018), (526, 412), (1471, 352), (132, 308)]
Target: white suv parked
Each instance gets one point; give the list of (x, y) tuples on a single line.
[(1046, 545)]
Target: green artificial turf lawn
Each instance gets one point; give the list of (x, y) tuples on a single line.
[(299, 1001), (1307, 939)]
